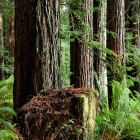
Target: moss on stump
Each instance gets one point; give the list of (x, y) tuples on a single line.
[(62, 114)]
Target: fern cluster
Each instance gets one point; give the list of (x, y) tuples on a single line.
[(7, 130), (122, 120), (6, 89)]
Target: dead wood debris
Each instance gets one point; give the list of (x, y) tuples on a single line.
[(49, 117)]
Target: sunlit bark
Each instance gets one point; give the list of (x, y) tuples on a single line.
[(100, 56)]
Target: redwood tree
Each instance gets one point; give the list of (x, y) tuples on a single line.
[(1, 44), (100, 56), (81, 23), (37, 48), (115, 40), (11, 36)]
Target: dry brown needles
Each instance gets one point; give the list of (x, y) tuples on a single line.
[(52, 116)]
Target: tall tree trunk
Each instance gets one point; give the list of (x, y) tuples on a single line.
[(11, 36), (100, 56), (136, 23), (1, 44), (25, 52), (37, 48), (12, 32), (81, 23), (48, 43), (115, 24)]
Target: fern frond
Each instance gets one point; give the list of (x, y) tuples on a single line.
[(8, 81), (6, 89), (7, 109), (122, 121), (8, 135)]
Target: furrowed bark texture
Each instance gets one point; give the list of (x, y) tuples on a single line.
[(115, 24), (11, 36), (100, 56), (36, 48), (81, 56), (49, 54), (12, 32), (25, 52)]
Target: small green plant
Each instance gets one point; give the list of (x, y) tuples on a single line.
[(6, 89), (7, 130), (122, 120)]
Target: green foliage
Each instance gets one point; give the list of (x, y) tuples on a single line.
[(6, 89), (65, 63), (8, 64), (7, 12), (8, 8), (65, 46), (122, 120), (132, 58), (8, 135), (132, 52), (7, 131), (112, 33)]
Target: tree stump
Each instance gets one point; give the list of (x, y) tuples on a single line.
[(62, 114)]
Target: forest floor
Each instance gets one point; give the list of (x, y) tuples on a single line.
[(52, 115)]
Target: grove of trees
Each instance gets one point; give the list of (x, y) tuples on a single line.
[(80, 43)]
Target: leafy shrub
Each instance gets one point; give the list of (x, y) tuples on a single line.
[(122, 120), (6, 89), (7, 130)]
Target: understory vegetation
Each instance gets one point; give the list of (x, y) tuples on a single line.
[(121, 121), (7, 130)]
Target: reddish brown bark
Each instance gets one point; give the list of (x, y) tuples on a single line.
[(37, 49), (11, 36), (115, 25), (81, 57)]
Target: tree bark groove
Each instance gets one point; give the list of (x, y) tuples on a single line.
[(115, 42), (37, 48), (81, 56)]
